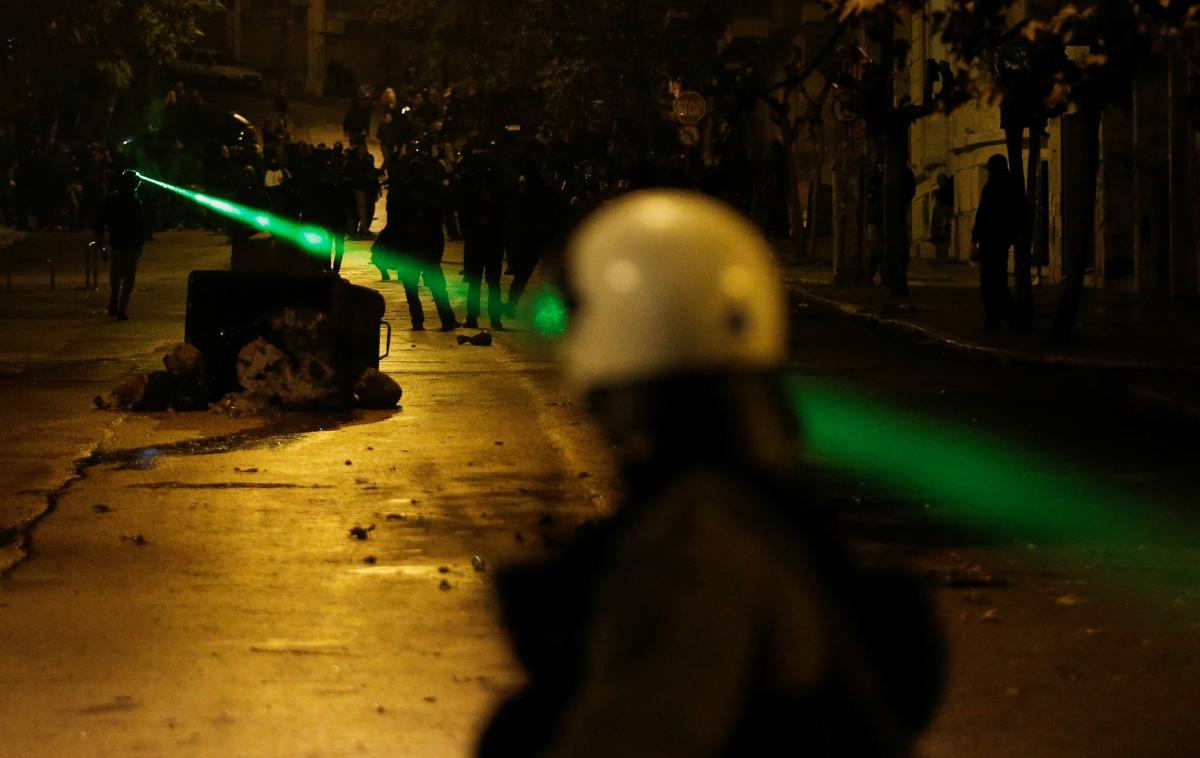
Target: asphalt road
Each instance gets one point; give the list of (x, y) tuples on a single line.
[(195, 589)]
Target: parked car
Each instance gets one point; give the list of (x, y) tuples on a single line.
[(213, 67)]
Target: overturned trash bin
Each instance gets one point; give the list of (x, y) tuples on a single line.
[(316, 317)]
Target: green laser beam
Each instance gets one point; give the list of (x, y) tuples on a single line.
[(548, 314), (308, 237), (981, 480)]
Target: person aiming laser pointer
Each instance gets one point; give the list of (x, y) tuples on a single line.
[(123, 219)]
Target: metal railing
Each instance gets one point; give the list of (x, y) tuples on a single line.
[(91, 265), (10, 263)]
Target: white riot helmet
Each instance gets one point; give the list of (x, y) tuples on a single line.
[(668, 281)]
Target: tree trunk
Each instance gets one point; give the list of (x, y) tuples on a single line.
[(1033, 201), (795, 205), (895, 226), (1075, 264), (895, 153)]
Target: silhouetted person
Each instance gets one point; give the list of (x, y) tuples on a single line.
[(718, 613), (123, 219), (535, 221), (481, 214), (334, 207), (995, 230), (357, 121), (413, 244)]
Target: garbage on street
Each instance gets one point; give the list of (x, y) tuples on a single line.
[(293, 363)]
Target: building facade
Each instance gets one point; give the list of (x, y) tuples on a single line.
[(297, 40)]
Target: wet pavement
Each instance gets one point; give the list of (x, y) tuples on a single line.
[(197, 585), (194, 586)]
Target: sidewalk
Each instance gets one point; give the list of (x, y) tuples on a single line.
[(58, 349), (1155, 343)]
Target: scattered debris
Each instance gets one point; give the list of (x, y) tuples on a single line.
[(184, 386), (482, 339), (370, 560), (377, 390), (125, 394), (359, 533), (445, 586), (478, 563), (303, 380), (101, 508), (968, 576), (136, 539), (237, 404)]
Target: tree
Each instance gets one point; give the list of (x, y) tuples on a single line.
[(594, 61), (58, 48), (1034, 79), (867, 79)]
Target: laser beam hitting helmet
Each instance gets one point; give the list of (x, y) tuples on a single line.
[(667, 281)]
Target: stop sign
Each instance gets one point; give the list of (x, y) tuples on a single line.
[(690, 107)]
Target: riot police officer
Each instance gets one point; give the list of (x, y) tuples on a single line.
[(717, 613)]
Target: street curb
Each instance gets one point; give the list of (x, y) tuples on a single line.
[(1152, 401), (998, 355)]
